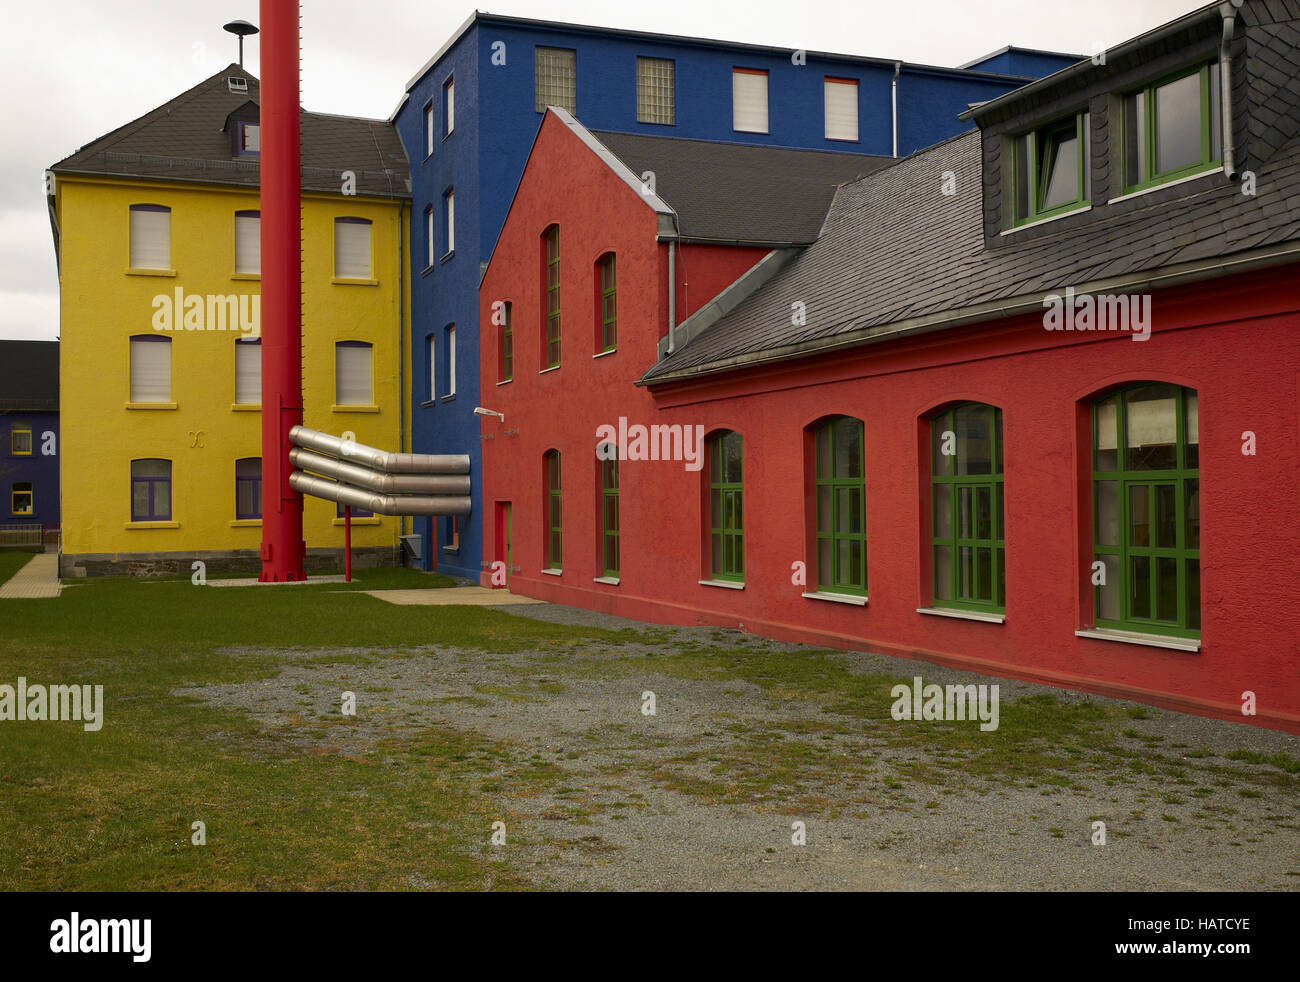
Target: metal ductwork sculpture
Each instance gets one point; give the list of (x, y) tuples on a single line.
[(378, 481)]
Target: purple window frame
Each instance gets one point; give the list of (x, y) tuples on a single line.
[(356, 512), (239, 145), (151, 482), (246, 480)]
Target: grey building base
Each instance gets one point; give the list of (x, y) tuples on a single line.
[(231, 562)]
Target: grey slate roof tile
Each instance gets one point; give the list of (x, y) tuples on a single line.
[(737, 192), (183, 140)]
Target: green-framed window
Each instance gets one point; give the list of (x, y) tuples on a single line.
[(20, 441), (506, 347), (968, 545), (554, 538), (607, 304), (726, 506), (1146, 510), (551, 281), (841, 507), (609, 551), (1050, 173), (1172, 128)]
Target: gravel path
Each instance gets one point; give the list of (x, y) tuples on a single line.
[(703, 794)]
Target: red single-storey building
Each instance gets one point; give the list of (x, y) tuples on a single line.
[(1027, 402)]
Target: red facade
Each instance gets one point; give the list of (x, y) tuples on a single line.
[(1234, 340)]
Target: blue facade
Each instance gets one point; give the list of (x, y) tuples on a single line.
[(1024, 61), (496, 120), (36, 471)]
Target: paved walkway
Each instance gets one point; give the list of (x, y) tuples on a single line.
[(37, 580), (472, 596)]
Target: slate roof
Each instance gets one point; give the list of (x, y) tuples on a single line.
[(731, 192), (29, 376), (183, 140), (895, 249)]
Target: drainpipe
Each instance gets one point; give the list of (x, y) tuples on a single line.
[(898, 67), (1229, 12), (672, 296)]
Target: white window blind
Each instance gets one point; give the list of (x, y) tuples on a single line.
[(151, 237), (451, 360), (248, 242), (248, 372), (451, 222), (151, 369), (430, 245), (749, 101), (449, 97), (841, 109), (352, 248), (352, 374), (428, 130)]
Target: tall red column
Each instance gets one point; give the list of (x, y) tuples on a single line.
[(282, 544)]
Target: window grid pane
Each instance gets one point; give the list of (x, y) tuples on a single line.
[(656, 98), (841, 508), (967, 538), (556, 79)]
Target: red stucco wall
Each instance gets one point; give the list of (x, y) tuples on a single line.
[(1237, 342)]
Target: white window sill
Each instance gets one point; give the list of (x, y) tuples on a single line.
[(965, 615), (552, 572), (553, 368), (611, 580), (837, 598), (1167, 184), (1049, 218), (1135, 637), (724, 584), (602, 354)]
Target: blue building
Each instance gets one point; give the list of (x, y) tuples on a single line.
[(29, 427), (469, 117)]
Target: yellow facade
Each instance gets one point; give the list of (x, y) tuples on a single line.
[(202, 431)]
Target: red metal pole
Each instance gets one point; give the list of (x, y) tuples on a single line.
[(282, 543), (347, 543)]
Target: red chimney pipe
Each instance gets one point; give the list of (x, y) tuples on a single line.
[(281, 179)]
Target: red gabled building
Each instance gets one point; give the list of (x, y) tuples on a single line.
[(917, 439)]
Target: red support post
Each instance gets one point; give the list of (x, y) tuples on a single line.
[(347, 543), (283, 548)]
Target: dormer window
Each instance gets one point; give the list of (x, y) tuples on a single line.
[(237, 85), (1172, 129), (249, 138), (1050, 170)]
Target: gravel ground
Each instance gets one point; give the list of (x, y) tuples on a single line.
[(703, 794)]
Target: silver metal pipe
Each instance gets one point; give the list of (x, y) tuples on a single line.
[(380, 504), (1229, 12), (372, 480), (380, 460), (672, 296)]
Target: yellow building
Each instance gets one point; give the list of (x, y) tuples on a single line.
[(156, 230)]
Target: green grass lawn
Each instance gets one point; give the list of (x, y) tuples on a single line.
[(113, 809), (11, 563)]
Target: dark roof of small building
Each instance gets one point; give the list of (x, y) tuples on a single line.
[(185, 140), (895, 250), (29, 376), (737, 193)]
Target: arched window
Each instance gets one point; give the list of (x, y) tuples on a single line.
[(551, 290), (1146, 510), (553, 510), (726, 506), (967, 540), (841, 528)]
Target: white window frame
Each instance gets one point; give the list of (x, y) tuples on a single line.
[(248, 243), (147, 384), (248, 367), (150, 237), (342, 384), (449, 212), (841, 122), (342, 272), (449, 106)]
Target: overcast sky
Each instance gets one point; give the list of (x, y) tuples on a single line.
[(76, 69)]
